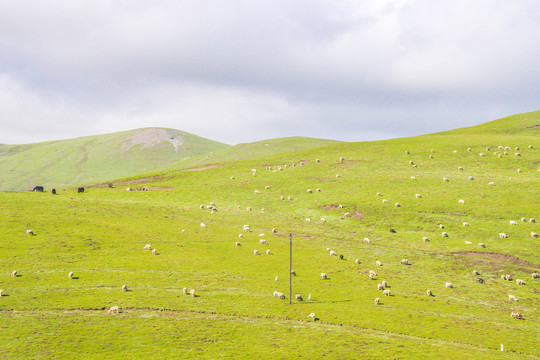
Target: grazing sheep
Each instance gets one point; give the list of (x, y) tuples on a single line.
[(378, 263), (418, 196), (444, 234), (1, 291), (397, 205), (518, 170), (460, 168), (482, 245), (184, 291), (386, 292), (248, 208), (319, 190), (261, 235), (154, 251), (503, 235), (377, 301), (328, 249), (14, 273), (531, 220), (323, 220), (512, 297), (357, 261), (468, 242), (267, 187), (520, 282), (491, 183), (70, 275), (534, 235), (246, 228), (317, 160), (405, 262), (480, 281), (268, 252), (282, 197), (255, 252), (309, 191), (113, 309), (298, 297), (413, 177), (262, 241), (449, 285), (475, 273), (256, 192), (429, 293), (203, 225), (411, 162), (323, 276), (516, 315), (308, 220), (371, 272), (332, 253), (338, 175), (341, 160), (289, 198), (535, 276), (279, 295), (385, 201), (380, 287), (312, 316), (430, 156), (371, 276), (274, 231), (192, 292), (379, 194), (481, 154), (513, 222), (29, 232), (469, 149), (471, 178), (232, 177), (407, 152), (446, 179), (293, 272), (517, 154), (425, 239), (465, 224), (238, 244), (124, 287), (147, 247), (366, 240), (461, 201), (530, 146), (240, 236), (347, 214), (384, 284), (441, 226)]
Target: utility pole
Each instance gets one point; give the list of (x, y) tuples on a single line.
[(290, 269)]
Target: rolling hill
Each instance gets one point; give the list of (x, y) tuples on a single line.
[(386, 201), (101, 158)]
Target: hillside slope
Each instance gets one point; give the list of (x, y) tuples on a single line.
[(91, 159), (386, 201)]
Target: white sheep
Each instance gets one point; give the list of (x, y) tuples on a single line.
[(309, 191), (418, 196), (444, 234), (512, 297), (203, 225), (534, 235), (407, 152), (513, 222), (429, 293), (14, 273), (147, 247), (192, 292), (373, 273), (503, 235), (341, 159), (268, 252), (319, 190), (377, 301), (298, 297), (323, 276), (185, 291), (385, 201), (425, 239), (492, 183), (357, 261), (518, 170), (446, 179), (378, 263), (70, 275), (506, 277), (293, 272), (154, 251), (465, 224), (256, 192), (262, 241), (308, 220), (405, 262), (441, 226), (332, 253), (449, 285), (481, 154), (267, 187), (430, 156), (461, 201), (475, 273), (469, 149), (289, 198), (397, 205), (379, 194), (113, 309), (535, 276), (347, 214), (460, 168), (323, 220), (411, 162), (471, 178), (520, 282), (367, 241), (338, 175), (238, 244), (255, 252), (248, 208), (380, 287), (240, 236), (282, 197), (279, 295), (384, 284), (386, 292), (468, 242), (124, 287), (274, 231), (312, 316), (1, 291), (246, 228), (517, 154), (29, 232), (482, 245), (531, 220)]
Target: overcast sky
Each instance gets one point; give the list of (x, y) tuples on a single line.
[(247, 70)]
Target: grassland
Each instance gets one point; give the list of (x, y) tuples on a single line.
[(99, 235)]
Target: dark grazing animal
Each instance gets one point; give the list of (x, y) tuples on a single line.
[(80, 190), (54, 191), (479, 280), (38, 188)]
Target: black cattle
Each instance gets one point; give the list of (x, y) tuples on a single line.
[(54, 191), (80, 190), (110, 185), (392, 230), (38, 188)]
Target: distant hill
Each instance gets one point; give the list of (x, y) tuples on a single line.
[(101, 158), (87, 160)]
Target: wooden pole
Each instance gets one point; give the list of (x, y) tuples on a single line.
[(290, 269)]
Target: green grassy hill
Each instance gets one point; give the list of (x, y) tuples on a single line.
[(100, 235)]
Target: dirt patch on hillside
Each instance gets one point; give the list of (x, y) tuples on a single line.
[(496, 259), (200, 168), (355, 213), (534, 127), (153, 137), (330, 207), (141, 180)]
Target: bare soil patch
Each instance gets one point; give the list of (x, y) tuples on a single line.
[(200, 168), (495, 257), (330, 207), (320, 179)]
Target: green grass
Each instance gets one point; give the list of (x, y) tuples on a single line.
[(99, 235)]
